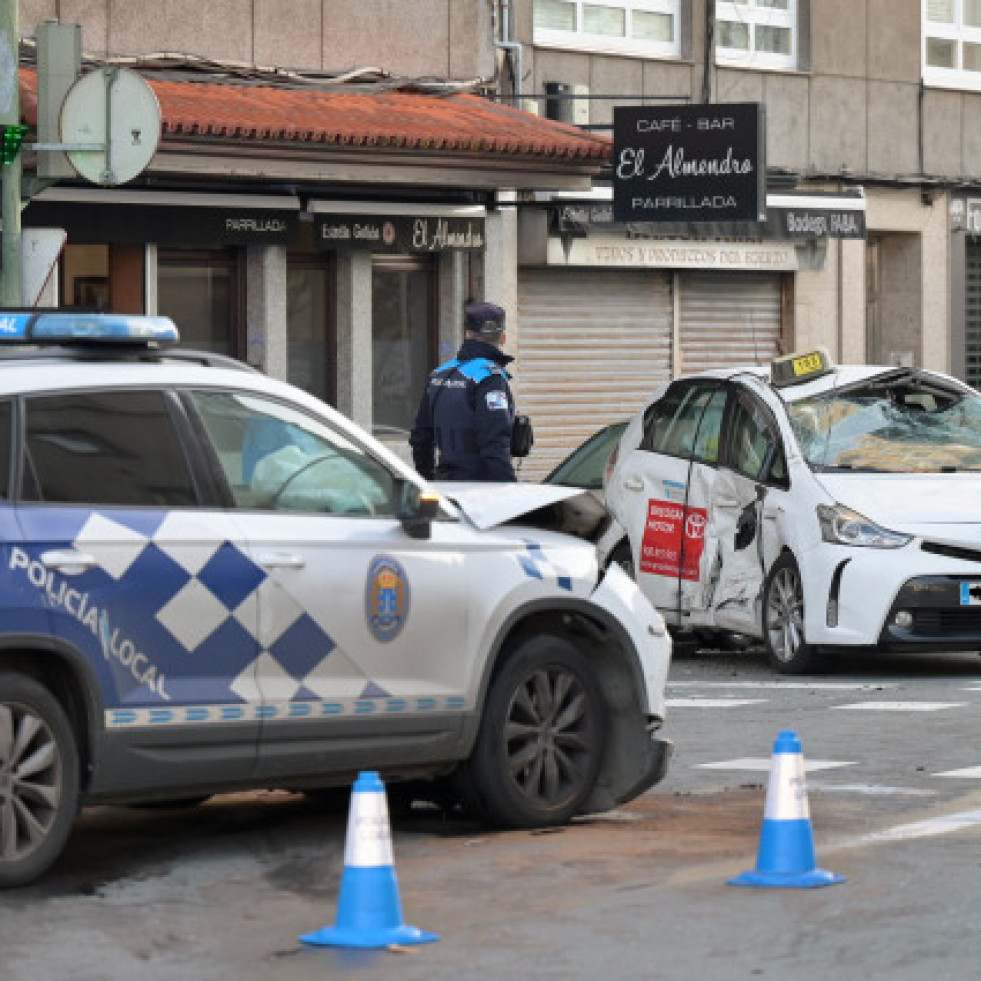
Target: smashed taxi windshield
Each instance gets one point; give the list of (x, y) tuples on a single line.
[(906, 421)]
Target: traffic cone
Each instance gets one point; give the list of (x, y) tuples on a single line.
[(369, 913), (786, 852)]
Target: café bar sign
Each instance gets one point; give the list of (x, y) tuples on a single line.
[(689, 163), (399, 233)]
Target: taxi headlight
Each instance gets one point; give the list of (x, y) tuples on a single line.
[(843, 526)]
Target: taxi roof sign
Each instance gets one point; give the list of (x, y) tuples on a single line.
[(61, 327), (800, 367)]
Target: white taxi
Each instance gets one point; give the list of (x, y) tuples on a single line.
[(212, 581), (819, 508)]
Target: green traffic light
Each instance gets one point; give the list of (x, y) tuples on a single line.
[(11, 139)]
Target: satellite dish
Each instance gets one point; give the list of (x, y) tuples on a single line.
[(117, 111)]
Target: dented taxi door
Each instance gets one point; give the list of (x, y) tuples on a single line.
[(746, 502), (665, 487)]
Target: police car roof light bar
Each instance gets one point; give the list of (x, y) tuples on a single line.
[(44, 327)]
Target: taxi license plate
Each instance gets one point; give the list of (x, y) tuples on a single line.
[(806, 364), (971, 594)]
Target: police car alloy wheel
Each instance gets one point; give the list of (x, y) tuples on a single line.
[(541, 739), (38, 779)]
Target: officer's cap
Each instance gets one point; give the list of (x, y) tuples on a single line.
[(486, 319)]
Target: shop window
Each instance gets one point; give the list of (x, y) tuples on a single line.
[(85, 277), (951, 43), (645, 28), (201, 290), (757, 33), (311, 338), (403, 329)]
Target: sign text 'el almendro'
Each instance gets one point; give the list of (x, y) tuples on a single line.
[(689, 163)]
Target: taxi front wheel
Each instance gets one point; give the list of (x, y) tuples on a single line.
[(783, 621), (541, 739), (39, 776)]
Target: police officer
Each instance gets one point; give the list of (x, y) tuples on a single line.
[(463, 427)]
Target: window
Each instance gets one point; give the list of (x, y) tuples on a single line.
[(106, 448), (6, 417), (952, 43), (646, 28), (754, 448), (403, 327), (277, 458), (756, 33), (311, 347), (686, 423), (201, 291)]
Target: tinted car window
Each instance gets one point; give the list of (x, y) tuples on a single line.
[(754, 448), (686, 423), (585, 466), (105, 448), (6, 418), (277, 458)]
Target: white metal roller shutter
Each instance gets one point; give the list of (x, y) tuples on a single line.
[(728, 319), (592, 346)]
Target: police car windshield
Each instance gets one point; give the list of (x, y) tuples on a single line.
[(903, 422)]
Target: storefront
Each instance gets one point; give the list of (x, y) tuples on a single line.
[(327, 238)]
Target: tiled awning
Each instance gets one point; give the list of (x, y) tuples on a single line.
[(442, 132)]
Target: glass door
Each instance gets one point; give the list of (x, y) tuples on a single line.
[(403, 334)]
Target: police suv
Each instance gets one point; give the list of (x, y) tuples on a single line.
[(213, 581)]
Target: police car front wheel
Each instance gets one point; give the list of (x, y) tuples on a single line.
[(38, 779), (542, 737)]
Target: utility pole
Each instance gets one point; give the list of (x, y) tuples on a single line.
[(10, 288)]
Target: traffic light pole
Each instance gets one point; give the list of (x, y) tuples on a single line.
[(10, 252)]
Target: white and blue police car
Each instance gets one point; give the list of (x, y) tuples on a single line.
[(212, 581)]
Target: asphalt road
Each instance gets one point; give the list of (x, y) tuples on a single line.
[(222, 891)]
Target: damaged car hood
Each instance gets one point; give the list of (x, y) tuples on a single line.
[(901, 500), (545, 505)]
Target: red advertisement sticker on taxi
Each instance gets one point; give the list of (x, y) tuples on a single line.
[(663, 542)]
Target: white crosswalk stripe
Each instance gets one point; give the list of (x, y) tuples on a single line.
[(763, 763), (712, 702), (901, 706)]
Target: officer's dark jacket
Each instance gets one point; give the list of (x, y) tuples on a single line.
[(463, 427)]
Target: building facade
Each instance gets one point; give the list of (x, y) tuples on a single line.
[(871, 109)]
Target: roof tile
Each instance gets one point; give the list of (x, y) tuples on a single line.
[(458, 124)]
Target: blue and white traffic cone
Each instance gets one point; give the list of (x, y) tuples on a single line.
[(369, 913), (786, 852)]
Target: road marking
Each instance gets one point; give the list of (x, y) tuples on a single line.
[(802, 685), (709, 703), (870, 789), (968, 773), (901, 706), (927, 829), (759, 763)]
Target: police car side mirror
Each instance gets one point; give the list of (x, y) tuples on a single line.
[(416, 509)]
